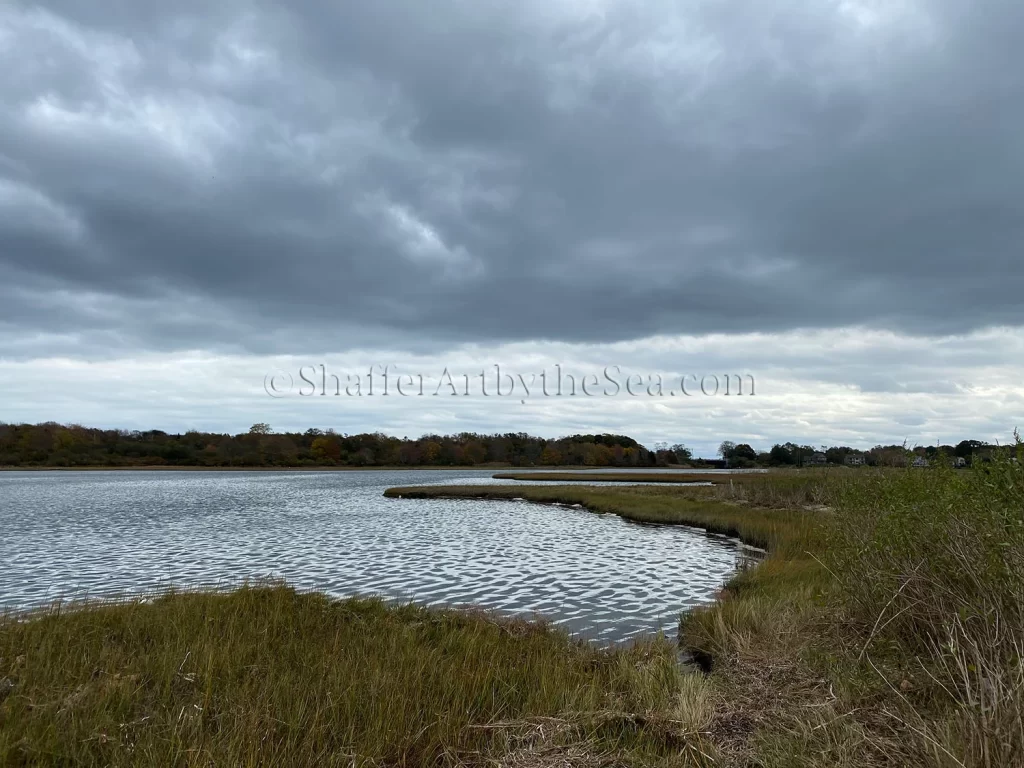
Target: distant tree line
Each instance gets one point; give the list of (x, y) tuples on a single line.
[(739, 455), (58, 445)]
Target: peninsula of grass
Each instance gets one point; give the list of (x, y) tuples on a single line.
[(785, 528), (601, 476)]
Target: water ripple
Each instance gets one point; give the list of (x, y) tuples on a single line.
[(99, 534)]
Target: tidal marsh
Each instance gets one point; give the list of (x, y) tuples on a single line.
[(883, 628)]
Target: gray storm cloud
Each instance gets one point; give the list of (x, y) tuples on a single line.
[(260, 178)]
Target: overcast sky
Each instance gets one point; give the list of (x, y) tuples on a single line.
[(826, 195)]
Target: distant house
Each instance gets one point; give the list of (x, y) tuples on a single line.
[(920, 461), (817, 459), (854, 460)]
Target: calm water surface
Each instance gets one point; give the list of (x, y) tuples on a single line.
[(97, 534)]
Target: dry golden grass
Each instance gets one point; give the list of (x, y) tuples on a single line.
[(267, 676)]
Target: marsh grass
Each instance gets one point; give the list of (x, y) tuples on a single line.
[(930, 572), (885, 627), (267, 676), (605, 476), (895, 638), (780, 488)]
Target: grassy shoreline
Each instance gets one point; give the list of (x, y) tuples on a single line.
[(603, 476), (883, 628), (768, 529)]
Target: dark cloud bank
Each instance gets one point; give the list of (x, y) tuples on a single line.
[(252, 177)]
